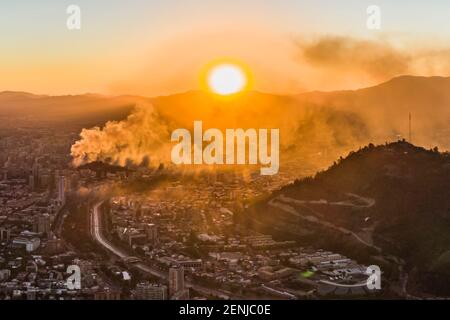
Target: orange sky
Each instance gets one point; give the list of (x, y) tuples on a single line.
[(156, 49)]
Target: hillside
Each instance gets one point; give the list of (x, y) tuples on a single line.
[(76, 111), (384, 108), (391, 199)]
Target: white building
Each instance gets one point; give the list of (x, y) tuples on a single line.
[(30, 244)]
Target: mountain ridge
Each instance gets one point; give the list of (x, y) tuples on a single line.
[(387, 82), (321, 122)]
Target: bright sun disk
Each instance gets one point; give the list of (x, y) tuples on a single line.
[(226, 79)]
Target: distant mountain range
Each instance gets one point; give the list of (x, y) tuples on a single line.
[(340, 118), (77, 110), (387, 203)]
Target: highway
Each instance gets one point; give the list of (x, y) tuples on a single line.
[(98, 236), (96, 231)]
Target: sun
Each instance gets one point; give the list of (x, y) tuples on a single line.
[(226, 79)]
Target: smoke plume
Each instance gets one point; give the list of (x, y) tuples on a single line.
[(140, 139)]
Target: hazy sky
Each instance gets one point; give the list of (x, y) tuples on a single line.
[(159, 47)]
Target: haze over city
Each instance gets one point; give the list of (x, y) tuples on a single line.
[(224, 150)]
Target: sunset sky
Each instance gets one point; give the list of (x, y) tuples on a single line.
[(156, 48)]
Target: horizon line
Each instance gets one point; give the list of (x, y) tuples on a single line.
[(45, 95)]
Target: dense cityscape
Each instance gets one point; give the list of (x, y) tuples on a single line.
[(177, 240), (224, 159)]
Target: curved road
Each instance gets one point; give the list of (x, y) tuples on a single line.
[(277, 202), (98, 236), (96, 233)]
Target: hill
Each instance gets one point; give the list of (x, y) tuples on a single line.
[(384, 108), (390, 201), (75, 111)]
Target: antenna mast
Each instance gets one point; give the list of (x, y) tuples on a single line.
[(410, 133)]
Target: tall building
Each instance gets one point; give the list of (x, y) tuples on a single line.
[(176, 279), (44, 180), (61, 190), (35, 173), (7, 163), (150, 291), (31, 183), (152, 232), (42, 223), (5, 234)]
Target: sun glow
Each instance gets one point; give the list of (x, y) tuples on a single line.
[(226, 79)]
